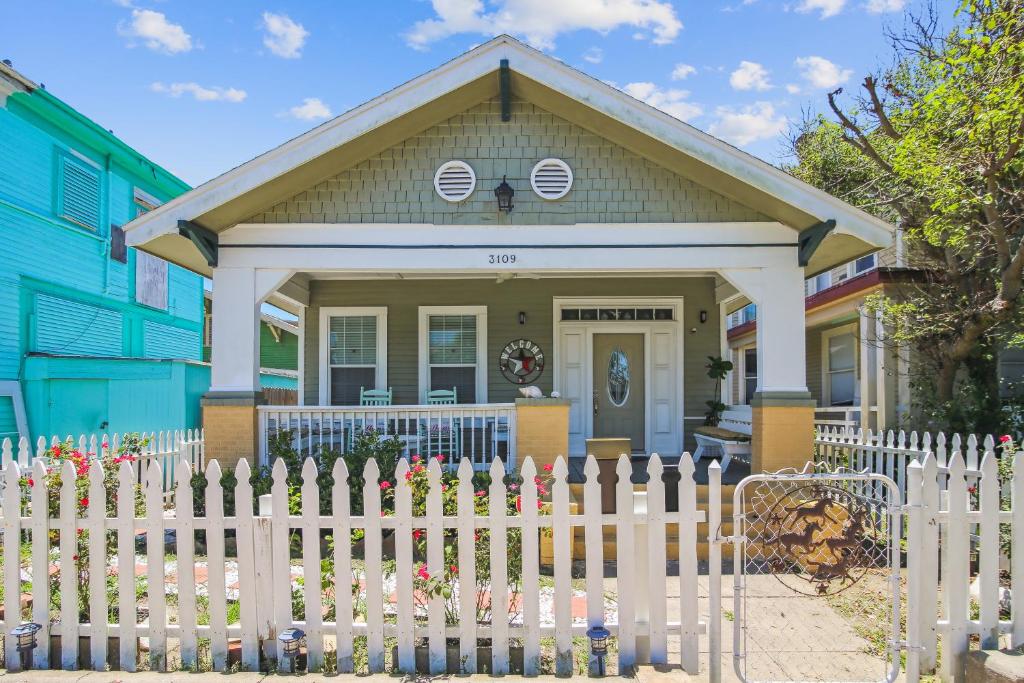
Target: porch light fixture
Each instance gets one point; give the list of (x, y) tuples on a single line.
[(25, 635), (504, 194), (703, 316), (599, 645), (291, 640), (522, 317)]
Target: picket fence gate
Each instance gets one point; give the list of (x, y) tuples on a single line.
[(264, 572), (166, 447)]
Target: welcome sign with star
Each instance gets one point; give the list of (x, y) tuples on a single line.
[(521, 361)]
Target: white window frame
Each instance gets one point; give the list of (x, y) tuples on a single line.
[(826, 373), (381, 374), (743, 398), (853, 272), (481, 346), (813, 284)]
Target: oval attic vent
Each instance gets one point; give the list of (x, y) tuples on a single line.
[(454, 181), (551, 178)]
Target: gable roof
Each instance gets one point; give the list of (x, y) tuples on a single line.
[(471, 78)]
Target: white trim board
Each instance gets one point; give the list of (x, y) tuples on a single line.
[(656, 409), (323, 371), (12, 389), (538, 67), (423, 356)]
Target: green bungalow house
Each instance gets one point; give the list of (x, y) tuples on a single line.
[(94, 336), (505, 222)]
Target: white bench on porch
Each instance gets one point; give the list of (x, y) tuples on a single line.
[(730, 439)]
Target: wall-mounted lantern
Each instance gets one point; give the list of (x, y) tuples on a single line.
[(504, 194)]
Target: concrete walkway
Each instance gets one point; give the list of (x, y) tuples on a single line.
[(788, 637)]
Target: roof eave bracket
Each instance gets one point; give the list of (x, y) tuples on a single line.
[(811, 238), (505, 84), (206, 241)]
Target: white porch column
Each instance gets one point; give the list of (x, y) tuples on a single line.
[(781, 336), (230, 415), (782, 408), (867, 369), (235, 356)]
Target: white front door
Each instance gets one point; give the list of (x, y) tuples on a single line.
[(585, 333)]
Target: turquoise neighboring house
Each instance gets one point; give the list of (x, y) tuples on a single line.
[(94, 337)]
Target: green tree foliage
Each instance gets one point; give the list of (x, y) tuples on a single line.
[(933, 144)]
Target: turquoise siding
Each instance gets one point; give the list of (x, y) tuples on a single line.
[(62, 294)]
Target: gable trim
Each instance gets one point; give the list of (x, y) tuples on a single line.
[(534, 65)]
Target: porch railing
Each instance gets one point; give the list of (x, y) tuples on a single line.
[(844, 417), (478, 433)]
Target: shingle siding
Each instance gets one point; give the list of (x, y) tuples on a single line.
[(611, 184)]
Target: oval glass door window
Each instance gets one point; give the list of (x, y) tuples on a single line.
[(618, 378)]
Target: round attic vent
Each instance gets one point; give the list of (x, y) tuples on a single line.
[(551, 178), (454, 181)]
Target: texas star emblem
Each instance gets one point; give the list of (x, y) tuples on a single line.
[(521, 361)]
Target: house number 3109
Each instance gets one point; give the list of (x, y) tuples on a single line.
[(501, 258)]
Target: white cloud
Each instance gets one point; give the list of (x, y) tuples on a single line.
[(156, 32), (749, 124), (793, 88), (671, 101), (594, 55), (682, 71), (201, 93), (284, 37), (750, 76), (540, 22), (880, 6), (311, 109), (828, 8), (821, 73)]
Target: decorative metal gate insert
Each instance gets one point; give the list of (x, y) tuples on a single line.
[(808, 548)]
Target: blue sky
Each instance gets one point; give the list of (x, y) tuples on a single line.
[(201, 87)]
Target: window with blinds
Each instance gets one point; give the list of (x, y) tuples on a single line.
[(352, 357), (79, 195), (452, 354)]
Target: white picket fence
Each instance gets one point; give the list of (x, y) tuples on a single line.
[(165, 447), (947, 506), (890, 452), (954, 510), (264, 573)]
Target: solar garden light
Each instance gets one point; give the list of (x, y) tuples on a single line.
[(291, 640), (599, 645), (25, 634)]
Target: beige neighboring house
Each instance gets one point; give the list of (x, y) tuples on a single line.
[(418, 280), (856, 378)]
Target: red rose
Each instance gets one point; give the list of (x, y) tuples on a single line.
[(84, 502), (481, 493), (1004, 438), (416, 533), (385, 485), (549, 467), (31, 482), (454, 569)]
